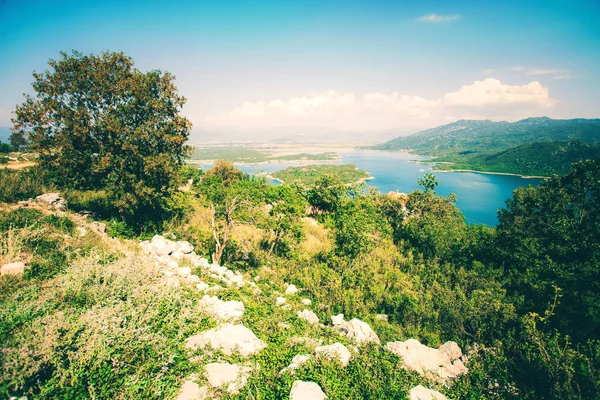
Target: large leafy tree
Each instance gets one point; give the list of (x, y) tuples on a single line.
[(97, 122), (548, 238)]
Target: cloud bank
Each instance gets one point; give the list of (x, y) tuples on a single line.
[(488, 98)]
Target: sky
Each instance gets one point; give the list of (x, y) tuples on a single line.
[(259, 67)]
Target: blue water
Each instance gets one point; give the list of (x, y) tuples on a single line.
[(479, 196)]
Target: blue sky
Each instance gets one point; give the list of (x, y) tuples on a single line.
[(336, 65)]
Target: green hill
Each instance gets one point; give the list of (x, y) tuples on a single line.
[(530, 146)]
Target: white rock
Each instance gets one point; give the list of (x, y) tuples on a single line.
[(228, 338), (184, 271), (230, 375), (451, 350), (336, 351), (184, 247), (194, 278), (81, 231), (337, 319), (222, 310), (15, 268), (280, 300), (297, 361), (355, 329), (359, 331), (382, 317), (422, 393), (202, 286), (177, 255), (302, 390), (291, 290), (308, 316), (191, 391), (426, 360), (306, 302), (52, 199)]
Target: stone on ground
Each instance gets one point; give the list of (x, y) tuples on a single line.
[(426, 360), (15, 268), (306, 302), (355, 329), (302, 390), (291, 290), (230, 376), (297, 361), (336, 351), (280, 300), (309, 316), (228, 338), (191, 391), (422, 393), (53, 200), (222, 310)]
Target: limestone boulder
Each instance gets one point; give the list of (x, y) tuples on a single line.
[(355, 329), (291, 290), (302, 390), (306, 302), (15, 268), (423, 393), (336, 351), (309, 316), (231, 377), (222, 310), (228, 338), (429, 361), (53, 200)]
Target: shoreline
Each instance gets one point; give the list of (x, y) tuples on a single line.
[(492, 173)]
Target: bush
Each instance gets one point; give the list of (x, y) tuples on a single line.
[(20, 184)]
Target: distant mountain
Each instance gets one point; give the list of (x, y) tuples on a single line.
[(533, 146), (474, 135)]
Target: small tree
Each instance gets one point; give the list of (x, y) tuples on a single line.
[(428, 182), (17, 140), (99, 123)]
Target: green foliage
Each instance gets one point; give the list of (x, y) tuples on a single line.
[(428, 182), (100, 124), (21, 184), (5, 148)]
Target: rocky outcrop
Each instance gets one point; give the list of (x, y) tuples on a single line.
[(15, 268), (231, 377), (164, 247), (53, 200), (336, 351), (355, 329), (302, 390), (443, 363), (422, 393), (228, 338), (222, 310), (309, 316)]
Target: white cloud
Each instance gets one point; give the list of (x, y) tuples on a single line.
[(438, 18), (563, 76), (489, 71), (491, 92), (538, 71), (487, 98)]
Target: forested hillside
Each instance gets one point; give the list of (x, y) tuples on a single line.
[(506, 147)]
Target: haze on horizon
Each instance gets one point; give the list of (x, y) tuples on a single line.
[(259, 70)]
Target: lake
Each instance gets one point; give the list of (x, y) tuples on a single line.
[(479, 196)]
